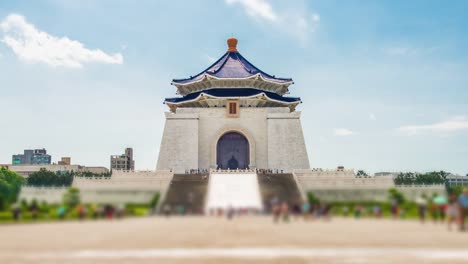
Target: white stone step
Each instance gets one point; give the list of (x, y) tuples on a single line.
[(233, 190)]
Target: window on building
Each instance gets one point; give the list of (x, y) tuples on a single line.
[(232, 108)]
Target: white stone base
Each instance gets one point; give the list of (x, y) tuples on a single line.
[(275, 138)]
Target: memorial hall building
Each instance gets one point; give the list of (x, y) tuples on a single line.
[(232, 115)]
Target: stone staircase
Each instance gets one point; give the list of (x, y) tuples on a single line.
[(282, 186), (187, 191)]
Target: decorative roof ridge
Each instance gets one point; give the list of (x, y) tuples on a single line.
[(226, 58), (259, 92), (269, 80), (259, 71), (205, 70)]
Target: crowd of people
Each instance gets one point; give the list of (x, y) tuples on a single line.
[(269, 171), (61, 212), (258, 171), (281, 210), (454, 211), (197, 171), (360, 210)]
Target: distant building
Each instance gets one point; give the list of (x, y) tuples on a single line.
[(64, 161), (457, 180), (124, 161), (385, 173), (32, 156)]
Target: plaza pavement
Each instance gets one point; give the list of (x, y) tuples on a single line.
[(242, 240)]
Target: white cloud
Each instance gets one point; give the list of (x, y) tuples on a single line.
[(32, 45), (343, 132), (256, 8), (451, 125), (295, 23), (372, 116)]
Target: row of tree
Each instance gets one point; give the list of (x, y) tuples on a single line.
[(410, 178), (47, 178)]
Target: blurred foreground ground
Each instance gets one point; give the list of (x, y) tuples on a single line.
[(241, 240)]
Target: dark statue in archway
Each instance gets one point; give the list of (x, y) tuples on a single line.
[(232, 151)]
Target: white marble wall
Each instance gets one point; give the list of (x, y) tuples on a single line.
[(179, 145), (286, 145), (274, 134)]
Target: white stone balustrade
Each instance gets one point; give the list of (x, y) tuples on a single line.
[(342, 185), (122, 187)]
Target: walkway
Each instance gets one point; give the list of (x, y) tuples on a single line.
[(243, 240)]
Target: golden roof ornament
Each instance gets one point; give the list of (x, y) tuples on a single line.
[(232, 44)]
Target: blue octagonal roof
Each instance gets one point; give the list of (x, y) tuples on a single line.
[(232, 65)]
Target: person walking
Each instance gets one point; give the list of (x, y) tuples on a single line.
[(285, 211), (230, 212), (16, 212), (452, 211), (394, 209), (422, 207), (276, 210), (434, 211), (274, 201), (463, 207), (306, 210), (357, 211), (167, 210), (61, 212)]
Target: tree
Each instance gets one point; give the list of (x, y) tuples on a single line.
[(428, 178), (72, 198), (154, 200), (361, 173), (44, 177), (10, 186), (456, 190), (312, 198), (396, 195)]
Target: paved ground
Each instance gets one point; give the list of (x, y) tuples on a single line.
[(243, 240)]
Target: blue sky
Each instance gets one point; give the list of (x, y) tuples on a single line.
[(384, 83)]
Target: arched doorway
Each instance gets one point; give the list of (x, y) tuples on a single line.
[(232, 151)]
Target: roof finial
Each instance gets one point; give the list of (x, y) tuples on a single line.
[(232, 44)]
